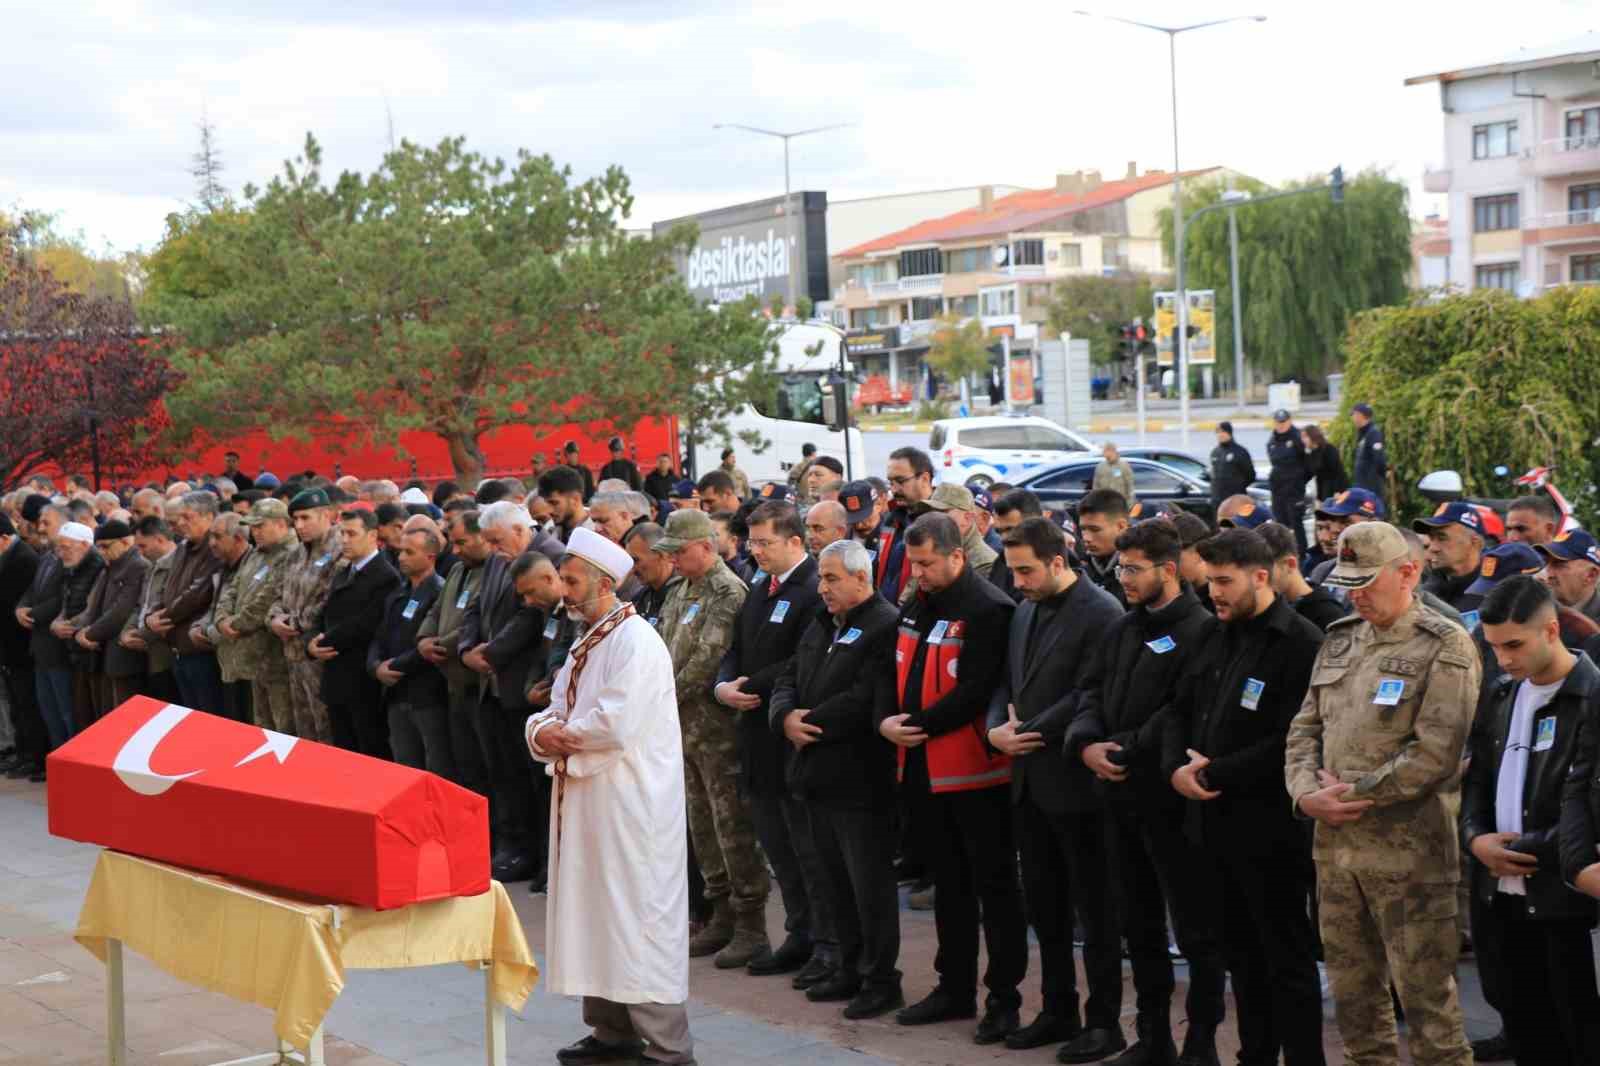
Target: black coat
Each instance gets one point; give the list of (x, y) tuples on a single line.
[(624, 469), (17, 569), (659, 485), (986, 611), (347, 622), (1287, 453), (115, 597), (1129, 688), (514, 632), (1046, 688), (848, 685), (764, 639), (1326, 466), (1372, 460), (1453, 590), (1548, 896), (1232, 471), (396, 641), (1321, 608), (1212, 714), (43, 598), (76, 586)]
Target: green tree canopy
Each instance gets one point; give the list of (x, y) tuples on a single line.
[(957, 348), (1306, 265), (444, 292), (1095, 309)]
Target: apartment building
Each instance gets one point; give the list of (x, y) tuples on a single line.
[(1521, 168)]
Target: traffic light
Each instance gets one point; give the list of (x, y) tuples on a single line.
[(1141, 335), (1125, 346), (1336, 185)]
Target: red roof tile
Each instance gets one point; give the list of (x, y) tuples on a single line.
[(1010, 213)]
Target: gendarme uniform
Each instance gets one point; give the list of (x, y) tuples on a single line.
[(305, 590), (1388, 711), (697, 624), (258, 585)]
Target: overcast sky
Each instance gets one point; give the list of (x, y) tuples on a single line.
[(102, 99)]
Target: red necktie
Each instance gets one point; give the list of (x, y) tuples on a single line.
[(772, 587)]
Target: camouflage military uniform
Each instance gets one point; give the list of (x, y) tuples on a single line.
[(1389, 711), (697, 623), (305, 589), (258, 654), (233, 665)]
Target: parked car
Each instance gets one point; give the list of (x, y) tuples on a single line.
[(1061, 485), (1200, 469), (977, 452)]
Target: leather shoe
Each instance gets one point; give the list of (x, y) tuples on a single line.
[(871, 1002), (513, 868), (1092, 1045), (814, 972), (22, 770), (1496, 1048), (997, 1024), (591, 1050), (937, 1006), (787, 957), (1045, 1029), (836, 989), (37, 776), (538, 884)]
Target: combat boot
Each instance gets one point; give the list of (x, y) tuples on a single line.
[(715, 934), (749, 940), (1152, 1045)]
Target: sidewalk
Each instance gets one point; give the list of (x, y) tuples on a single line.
[(52, 995)]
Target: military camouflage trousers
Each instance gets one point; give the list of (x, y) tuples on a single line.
[(310, 715), (271, 705), (1377, 927), (719, 824)]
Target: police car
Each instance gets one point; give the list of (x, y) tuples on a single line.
[(977, 452)]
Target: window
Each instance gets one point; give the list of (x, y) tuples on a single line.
[(799, 399), (1583, 268), (864, 274), (967, 260), (926, 307), (920, 263), (1000, 302), (868, 317), (996, 438), (1046, 439), (1583, 128), (1583, 203), (965, 306), (1071, 256), (1076, 478), (1498, 276), (1154, 481), (1027, 253), (1491, 213), (1494, 139)]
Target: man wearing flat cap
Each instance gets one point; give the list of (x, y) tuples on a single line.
[(115, 673)]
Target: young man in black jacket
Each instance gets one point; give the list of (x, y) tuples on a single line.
[(949, 655), (1223, 749), (1522, 757), (18, 565), (1118, 734), (1060, 813), (826, 704), (1102, 518), (415, 697), (344, 628), (776, 612)]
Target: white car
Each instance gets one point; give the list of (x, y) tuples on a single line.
[(977, 452)]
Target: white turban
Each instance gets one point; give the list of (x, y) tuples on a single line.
[(593, 548), (79, 531), (414, 495)]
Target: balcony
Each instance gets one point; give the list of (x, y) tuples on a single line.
[(1562, 156), (1562, 227), (1435, 180), (922, 283)]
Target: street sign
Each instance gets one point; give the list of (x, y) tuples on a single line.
[(1202, 326)]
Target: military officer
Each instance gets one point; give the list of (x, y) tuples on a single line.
[(697, 623), (305, 590), (242, 626), (1375, 757)]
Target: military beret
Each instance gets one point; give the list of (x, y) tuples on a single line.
[(310, 499), (34, 506), (115, 529)]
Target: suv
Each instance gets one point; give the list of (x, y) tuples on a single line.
[(977, 452)]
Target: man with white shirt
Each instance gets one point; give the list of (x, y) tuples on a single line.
[(611, 741), (345, 627), (1511, 819)]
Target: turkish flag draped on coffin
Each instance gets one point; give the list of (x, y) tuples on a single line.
[(189, 788)]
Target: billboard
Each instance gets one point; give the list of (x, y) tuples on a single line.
[(755, 249), (1202, 319)]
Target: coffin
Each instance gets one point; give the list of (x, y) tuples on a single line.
[(192, 789)]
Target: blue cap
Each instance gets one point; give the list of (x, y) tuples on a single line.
[(1351, 502), (1457, 512), (1143, 512), (267, 480), (1250, 516), (1571, 545), (1503, 561), (683, 490), (775, 491), (982, 499)]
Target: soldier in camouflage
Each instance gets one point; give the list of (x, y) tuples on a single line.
[(1375, 757), (230, 543), (697, 623), (305, 590), (241, 623)]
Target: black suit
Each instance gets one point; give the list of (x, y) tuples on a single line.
[(843, 674), (1060, 812), (769, 626), (18, 566), (417, 706), (1242, 687), (347, 622)]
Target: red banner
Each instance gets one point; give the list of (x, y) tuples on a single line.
[(189, 788)]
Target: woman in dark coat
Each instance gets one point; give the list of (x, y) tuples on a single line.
[(1322, 459)]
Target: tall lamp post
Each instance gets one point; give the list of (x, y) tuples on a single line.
[(1234, 196), (1180, 346), (788, 211)]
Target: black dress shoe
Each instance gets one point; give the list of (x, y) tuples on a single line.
[(538, 885), (871, 1002), (1496, 1048), (997, 1024), (514, 868), (591, 1050), (787, 957), (1045, 1029), (22, 770), (1092, 1045), (815, 971), (836, 989), (938, 1006), (37, 777)]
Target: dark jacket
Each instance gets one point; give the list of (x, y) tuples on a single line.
[(1103, 574), (347, 622), (987, 614), (191, 586), (768, 629), (43, 598), (649, 601), (1321, 608), (890, 547), (1232, 471), (76, 585), (1240, 689), (114, 597), (1287, 453), (1453, 590), (659, 485), (18, 566), (1325, 465), (624, 469), (847, 682), (1372, 460), (1580, 797), (1548, 896), (512, 631), (1047, 661), (1129, 688), (396, 641)]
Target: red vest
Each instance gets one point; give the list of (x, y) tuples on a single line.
[(960, 760)]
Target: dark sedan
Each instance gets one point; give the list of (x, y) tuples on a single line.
[(1061, 485)]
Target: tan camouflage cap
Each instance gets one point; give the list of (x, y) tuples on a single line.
[(685, 526), (262, 510), (1364, 550), (951, 498)]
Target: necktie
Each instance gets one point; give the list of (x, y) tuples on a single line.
[(772, 587)]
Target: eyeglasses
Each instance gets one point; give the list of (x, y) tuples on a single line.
[(762, 542), (1124, 570)]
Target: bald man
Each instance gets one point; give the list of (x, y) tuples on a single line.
[(826, 522)]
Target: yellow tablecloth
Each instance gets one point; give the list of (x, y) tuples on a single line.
[(290, 955)]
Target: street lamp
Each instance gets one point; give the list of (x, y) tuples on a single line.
[(788, 210), (1231, 197), (1180, 346)]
